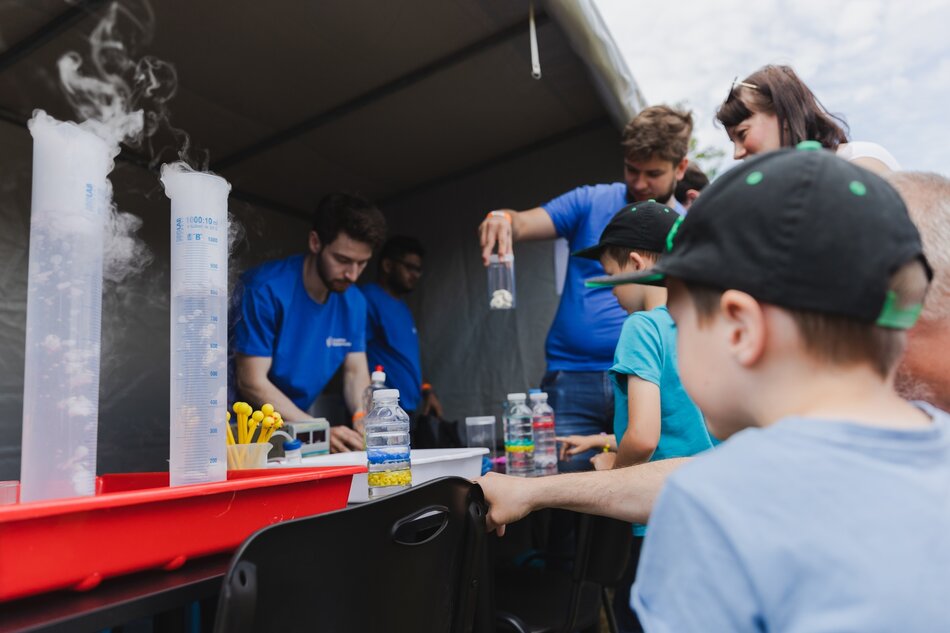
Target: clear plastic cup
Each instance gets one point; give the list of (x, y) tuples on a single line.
[(480, 432), (247, 456), (501, 282), (9, 492)]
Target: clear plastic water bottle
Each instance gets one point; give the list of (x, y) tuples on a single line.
[(386, 430), (519, 437), (545, 444), (377, 382)]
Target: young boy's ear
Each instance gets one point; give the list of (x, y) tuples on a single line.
[(637, 261), (745, 326)]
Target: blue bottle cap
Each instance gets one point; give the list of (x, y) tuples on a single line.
[(292, 445)]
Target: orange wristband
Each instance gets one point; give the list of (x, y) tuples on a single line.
[(359, 415), (499, 214)]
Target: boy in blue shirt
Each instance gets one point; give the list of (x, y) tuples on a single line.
[(654, 418), (792, 283)]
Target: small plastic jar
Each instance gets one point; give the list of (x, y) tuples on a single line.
[(501, 282), (292, 452)]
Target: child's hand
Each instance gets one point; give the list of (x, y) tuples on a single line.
[(603, 461), (575, 444)]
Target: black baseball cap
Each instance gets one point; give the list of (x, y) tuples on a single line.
[(797, 228), (641, 225)]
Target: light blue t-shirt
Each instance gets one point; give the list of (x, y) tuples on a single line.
[(306, 341), (806, 526), (392, 341), (647, 350), (588, 320)]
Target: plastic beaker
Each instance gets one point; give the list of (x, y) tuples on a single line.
[(199, 318), (480, 432), (248, 456), (501, 282), (71, 193), (8, 492)]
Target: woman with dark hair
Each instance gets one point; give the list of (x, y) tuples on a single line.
[(773, 108)]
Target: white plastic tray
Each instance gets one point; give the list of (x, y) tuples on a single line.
[(427, 463)]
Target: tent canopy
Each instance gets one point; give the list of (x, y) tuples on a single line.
[(427, 107), (296, 99)]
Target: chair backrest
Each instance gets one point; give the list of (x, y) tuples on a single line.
[(608, 549), (407, 562), (603, 549)]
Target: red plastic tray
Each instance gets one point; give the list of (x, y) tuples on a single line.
[(137, 522)]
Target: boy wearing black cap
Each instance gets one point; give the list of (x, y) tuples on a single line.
[(647, 389), (654, 417), (792, 282)]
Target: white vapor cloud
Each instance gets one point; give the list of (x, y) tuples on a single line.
[(884, 66)]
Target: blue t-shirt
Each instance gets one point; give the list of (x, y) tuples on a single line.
[(807, 525), (647, 350), (306, 341), (587, 325), (392, 341)]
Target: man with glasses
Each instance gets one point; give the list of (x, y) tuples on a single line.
[(391, 337)]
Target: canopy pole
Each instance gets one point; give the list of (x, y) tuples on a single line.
[(535, 58)]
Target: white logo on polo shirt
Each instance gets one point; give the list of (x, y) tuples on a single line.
[(338, 342)]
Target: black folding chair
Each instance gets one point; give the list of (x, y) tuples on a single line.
[(531, 600), (408, 562)]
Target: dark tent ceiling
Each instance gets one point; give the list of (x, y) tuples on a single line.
[(294, 99)]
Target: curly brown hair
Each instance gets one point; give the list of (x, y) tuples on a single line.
[(658, 131), (352, 214)]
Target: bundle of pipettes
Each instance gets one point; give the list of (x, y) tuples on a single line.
[(249, 422)]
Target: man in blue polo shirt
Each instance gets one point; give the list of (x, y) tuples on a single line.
[(581, 342), (300, 318), (391, 337)]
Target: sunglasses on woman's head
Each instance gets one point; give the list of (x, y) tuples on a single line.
[(739, 84)]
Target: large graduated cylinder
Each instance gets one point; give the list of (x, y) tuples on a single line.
[(199, 316), (71, 194)]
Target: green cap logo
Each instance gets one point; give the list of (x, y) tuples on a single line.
[(808, 146), (895, 317), (672, 233)]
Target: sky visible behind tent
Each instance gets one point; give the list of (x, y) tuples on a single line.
[(883, 65)]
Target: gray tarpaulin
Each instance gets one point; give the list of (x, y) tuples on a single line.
[(427, 107), (587, 32)]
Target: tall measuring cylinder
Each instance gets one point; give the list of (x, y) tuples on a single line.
[(199, 315), (71, 194)]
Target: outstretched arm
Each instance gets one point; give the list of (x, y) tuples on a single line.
[(509, 226), (627, 494)]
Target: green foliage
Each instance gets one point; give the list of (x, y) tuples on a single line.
[(708, 158)]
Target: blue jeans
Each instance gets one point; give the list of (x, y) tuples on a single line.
[(583, 403)]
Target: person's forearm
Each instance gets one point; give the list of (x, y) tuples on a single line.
[(517, 225), (355, 383), (631, 453), (627, 494), (264, 390)]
